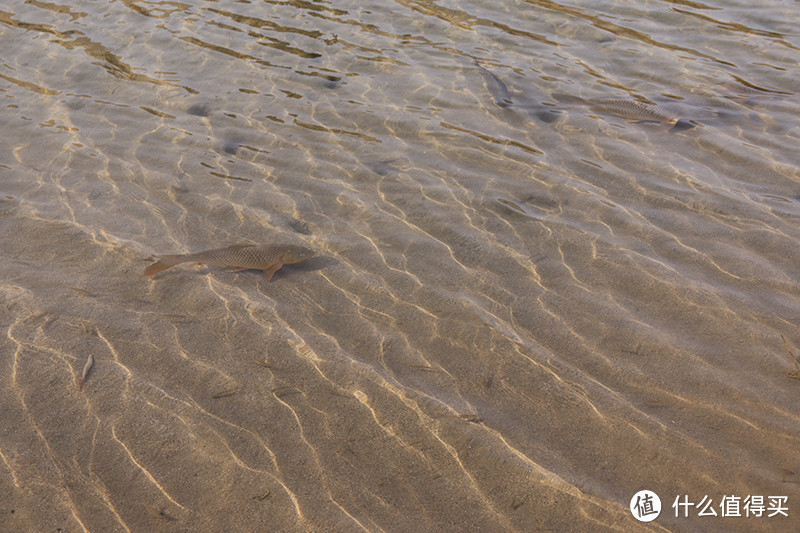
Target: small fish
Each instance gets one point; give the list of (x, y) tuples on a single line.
[(502, 98), (268, 258), (496, 87), (86, 368)]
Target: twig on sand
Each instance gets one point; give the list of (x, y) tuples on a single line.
[(223, 394), (86, 368)]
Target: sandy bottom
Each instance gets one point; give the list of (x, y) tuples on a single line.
[(327, 400)]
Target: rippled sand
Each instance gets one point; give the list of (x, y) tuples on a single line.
[(510, 324)]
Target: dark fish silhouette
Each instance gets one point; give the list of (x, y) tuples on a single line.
[(680, 113), (268, 258), (496, 87), (502, 97)]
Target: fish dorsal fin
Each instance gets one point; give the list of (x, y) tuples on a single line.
[(242, 245)]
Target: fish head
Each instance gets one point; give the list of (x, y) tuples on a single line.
[(295, 254)]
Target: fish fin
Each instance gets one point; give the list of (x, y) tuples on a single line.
[(682, 125), (236, 269), (164, 263), (269, 271)]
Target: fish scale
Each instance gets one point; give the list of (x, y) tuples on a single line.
[(631, 109), (245, 256)]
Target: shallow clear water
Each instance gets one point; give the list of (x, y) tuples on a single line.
[(510, 324)]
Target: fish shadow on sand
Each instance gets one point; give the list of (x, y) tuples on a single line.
[(681, 113)]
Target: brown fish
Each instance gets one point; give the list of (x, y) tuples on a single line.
[(268, 258), (681, 113), (633, 110)]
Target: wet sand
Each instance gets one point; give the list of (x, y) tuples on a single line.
[(508, 325)]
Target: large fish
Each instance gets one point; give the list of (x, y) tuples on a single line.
[(633, 110), (680, 113), (268, 258)]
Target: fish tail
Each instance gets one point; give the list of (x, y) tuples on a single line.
[(164, 263)]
